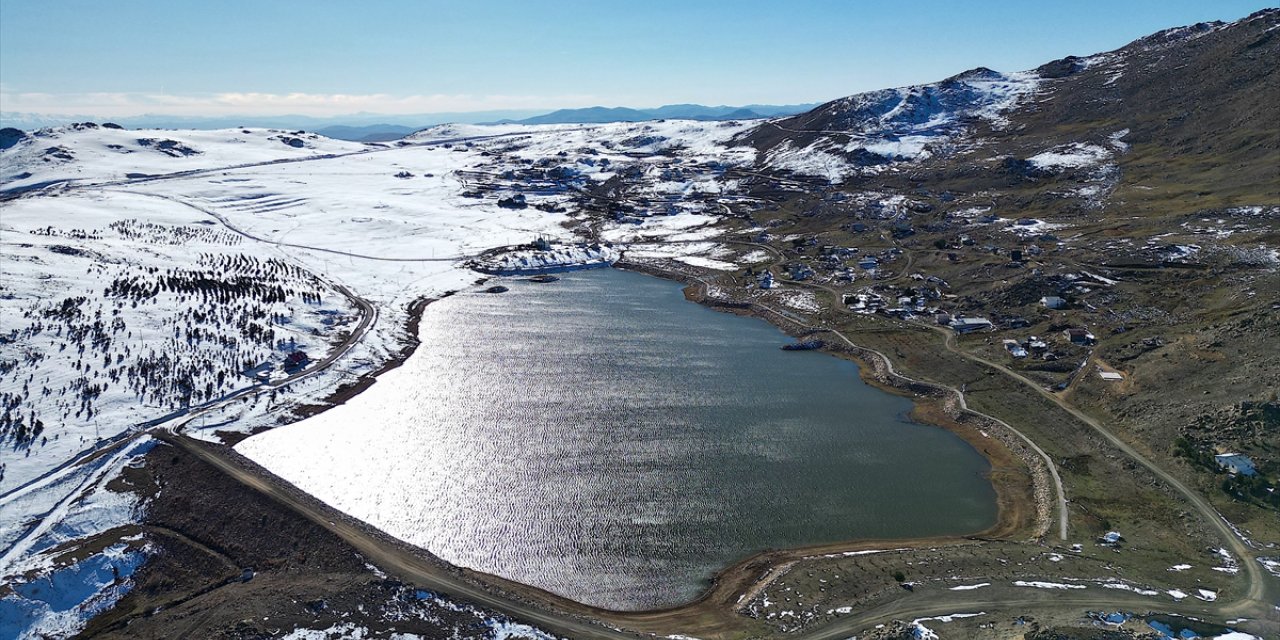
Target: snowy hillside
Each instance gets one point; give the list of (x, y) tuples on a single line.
[(549, 259), (124, 318), (217, 280), (866, 132), (170, 269), (88, 152)]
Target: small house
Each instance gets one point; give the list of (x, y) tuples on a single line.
[(1235, 463), (766, 280), (1053, 302), (799, 271), (1016, 350), (296, 360), (1080, 336)]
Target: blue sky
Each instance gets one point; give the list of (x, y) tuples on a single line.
[(314, 57)]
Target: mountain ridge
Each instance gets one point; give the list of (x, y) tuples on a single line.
[(373, 127), (601, 115)]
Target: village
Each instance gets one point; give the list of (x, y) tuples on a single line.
[(1035, 295)]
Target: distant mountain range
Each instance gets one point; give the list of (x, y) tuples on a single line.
[(591, 115), (373, 127), (356, 127), (367, 133)]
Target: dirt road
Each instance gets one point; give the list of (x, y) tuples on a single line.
[(1260, 582), (395, 559)]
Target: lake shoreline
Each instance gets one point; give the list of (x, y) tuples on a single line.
[(346, 391), (729, 586), (1017, 475)]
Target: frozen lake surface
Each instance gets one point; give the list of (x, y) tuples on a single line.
[(602, 438)]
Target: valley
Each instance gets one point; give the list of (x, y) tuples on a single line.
[(1074, 271)]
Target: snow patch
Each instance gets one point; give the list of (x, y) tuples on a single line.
[(1046, 585), (1272, 565), (708, 263), (799, 299), (547, 260), (1117, 140), (1074, 155), (921, 632), (341, 631), (60, 602), (507, 630), (1124, 586)]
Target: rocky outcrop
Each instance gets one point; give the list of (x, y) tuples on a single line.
[(10, 137)]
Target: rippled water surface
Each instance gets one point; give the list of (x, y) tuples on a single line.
[(602, 438)]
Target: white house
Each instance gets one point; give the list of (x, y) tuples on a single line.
[(1236, 463)]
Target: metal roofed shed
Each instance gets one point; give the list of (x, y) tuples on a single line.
[(969, 325)]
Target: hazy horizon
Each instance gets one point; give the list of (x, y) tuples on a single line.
[(320, 60)]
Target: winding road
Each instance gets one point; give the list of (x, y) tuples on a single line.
[(392, 558), (1255, 601), (1061, 493), (280, 243), (1258, 579), (424, 572)]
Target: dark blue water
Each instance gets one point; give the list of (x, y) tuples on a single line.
[(602, 438)]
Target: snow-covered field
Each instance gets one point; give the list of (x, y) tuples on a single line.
[(116, 292), (147, 273), (100, 154)]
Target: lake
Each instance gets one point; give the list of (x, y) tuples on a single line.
[(604, 439)]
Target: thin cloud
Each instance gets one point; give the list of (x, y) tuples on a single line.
[(273, 104)]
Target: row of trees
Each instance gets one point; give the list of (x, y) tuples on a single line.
[(202, 327), (152, 233)]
